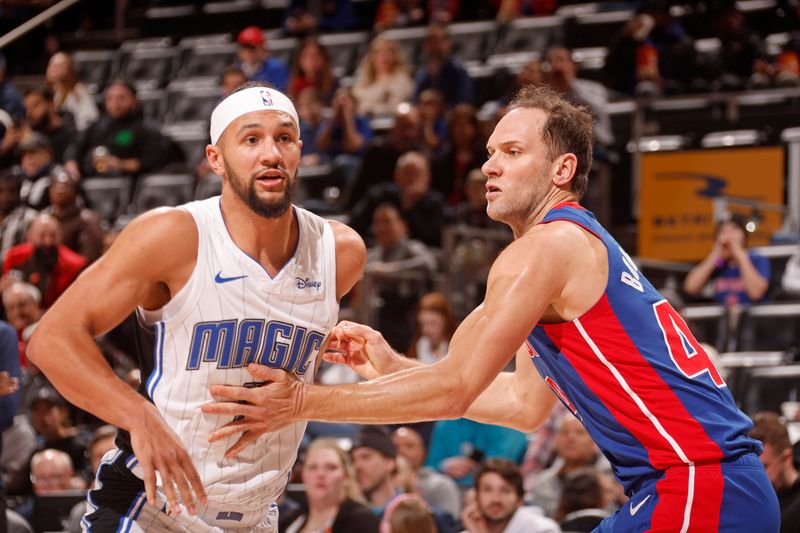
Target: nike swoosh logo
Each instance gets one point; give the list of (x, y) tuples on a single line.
[(635, 508), (219, 279)]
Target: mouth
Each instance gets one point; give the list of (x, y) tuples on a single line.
[(492, 191), (271, 178)]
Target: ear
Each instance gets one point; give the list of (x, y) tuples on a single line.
[(564, 170), (215, 160)]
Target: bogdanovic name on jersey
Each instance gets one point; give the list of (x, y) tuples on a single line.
[(236, 343)]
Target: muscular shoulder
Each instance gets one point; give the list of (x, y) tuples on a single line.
[(351, 254), (159, 239)]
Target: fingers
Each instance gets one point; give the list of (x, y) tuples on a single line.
[(266, 373), (229, 408), (182, 481), (236, 426), (149, 482), (168, 486), (231, 392), (244, 441)]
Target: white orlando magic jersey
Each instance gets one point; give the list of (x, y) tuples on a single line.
[(229, 314)]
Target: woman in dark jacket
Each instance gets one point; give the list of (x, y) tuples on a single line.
[(332, 493)]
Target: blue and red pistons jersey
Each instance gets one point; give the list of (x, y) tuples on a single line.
[(633, 373)]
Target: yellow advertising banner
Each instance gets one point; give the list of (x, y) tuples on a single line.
[(676, 216)]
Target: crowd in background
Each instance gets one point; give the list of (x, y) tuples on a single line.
[(401, 188)]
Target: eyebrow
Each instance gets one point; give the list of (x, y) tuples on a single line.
[(285, 123), (508, 143)]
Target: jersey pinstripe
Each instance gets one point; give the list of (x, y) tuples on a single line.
[(230, 313)]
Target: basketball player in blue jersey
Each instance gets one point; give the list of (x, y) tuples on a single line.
[(588, 329), (217, 284)]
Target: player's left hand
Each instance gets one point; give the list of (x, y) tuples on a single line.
[(258, 410)]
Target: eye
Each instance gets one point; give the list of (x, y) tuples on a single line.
[(251, 139), (285, 138)]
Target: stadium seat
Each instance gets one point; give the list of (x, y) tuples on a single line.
[(659, 143), (189, 102), (490, 82), (723, 139), (685, 115), (151, 67), (590, 62), (345, 50), (769, 327), (595, 29), (737, 365), (765, 389), (531, 34), (206, 59), (94, 68), (473, 41), (208, 186), (192, 138), (283, 49), (152, 102), (709, 323), (108, 197), (157, 190)]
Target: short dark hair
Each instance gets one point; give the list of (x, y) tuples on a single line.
[(41, 89), (503, 468), (768, 428), (251, 84), (124, 83), (567, 130), (581, 489)]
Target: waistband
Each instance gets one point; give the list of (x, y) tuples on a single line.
[(749, 459)]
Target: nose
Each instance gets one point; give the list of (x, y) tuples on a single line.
[(490, 167), (270, 154)]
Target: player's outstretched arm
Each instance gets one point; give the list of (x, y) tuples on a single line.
[(519, 399), (152, 256), (526, 278)]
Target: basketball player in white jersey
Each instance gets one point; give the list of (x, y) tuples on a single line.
[(218, 284)]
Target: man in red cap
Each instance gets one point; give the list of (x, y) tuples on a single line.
[(255, 60)]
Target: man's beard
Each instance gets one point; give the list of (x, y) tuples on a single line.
[(247, 193)]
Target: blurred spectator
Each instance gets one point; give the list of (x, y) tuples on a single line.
[(651, 55), (232, 77), (791, 276), (121, 142), (740, 50), (9, 395), (21, 303), (400, 269), (434, 124), (42, 117), (70, 94), (562, 75), (44, 261), (583, 501), (51, 420), (739, 276), (19, 443), (399, 14), (408, 514), (304, 17), (255, 61), (777, 461), (80, 227), (532, 73), (312, 68), (383, 80), (345, 132), (472, 211), (575, 449), (102, 442), (10, 97), (410, 192), (458, 447), (380, 158), (435, 325), (541, 448), (310, 110), (435, 488), (373, 454), (442, 70), (15, 217), (511, 9), (51, 473), (498, 506), (36, 163), (465, 151), (334, 501)]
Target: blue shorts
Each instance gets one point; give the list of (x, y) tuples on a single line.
[(730, 496)]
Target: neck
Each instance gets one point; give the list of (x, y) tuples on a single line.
[(318, 515), (788, 478), (270, 241), (537, 214), (381, 495), (499, 527)]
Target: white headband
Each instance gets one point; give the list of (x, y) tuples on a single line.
[(247, 101)]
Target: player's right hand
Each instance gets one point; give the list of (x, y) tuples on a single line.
[(362, 349), (159, 450)]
